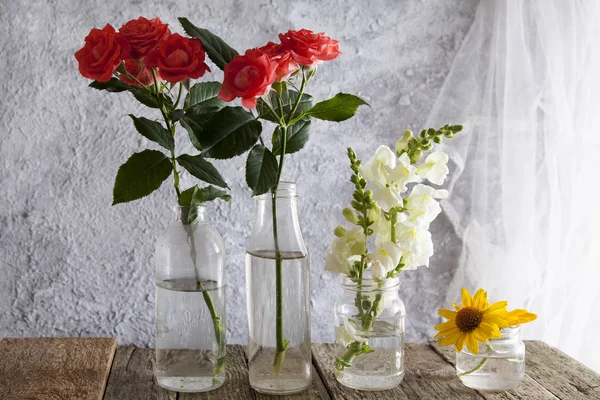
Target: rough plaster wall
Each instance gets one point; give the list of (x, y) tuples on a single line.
[(73, 265)]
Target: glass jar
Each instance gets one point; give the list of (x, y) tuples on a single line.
[(369, 334), (499, 365), (190, 304), (277, 296)]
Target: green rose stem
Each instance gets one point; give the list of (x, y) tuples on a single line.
[(281, 343), (217, 322)]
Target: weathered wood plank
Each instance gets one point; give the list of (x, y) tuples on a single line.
[(560, 374), (132, 377), (428, 376), (323, 360), (528, 390), (236, 386), (55, 368)]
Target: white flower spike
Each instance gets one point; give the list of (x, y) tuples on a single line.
[(434, 169), (377, 168)]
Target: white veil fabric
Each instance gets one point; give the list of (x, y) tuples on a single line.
[(524, 182)]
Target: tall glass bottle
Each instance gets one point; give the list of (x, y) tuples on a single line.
[(278, 296), (190, 304)]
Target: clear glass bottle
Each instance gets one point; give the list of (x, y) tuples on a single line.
[(498, 366), (190, 304), (369, 334), (278, 296)]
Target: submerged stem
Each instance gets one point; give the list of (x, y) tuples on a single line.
[(282, 344)]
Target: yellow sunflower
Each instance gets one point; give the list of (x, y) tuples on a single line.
[(519, 316), (474, 321)]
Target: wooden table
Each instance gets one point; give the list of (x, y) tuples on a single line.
[(430, 374)]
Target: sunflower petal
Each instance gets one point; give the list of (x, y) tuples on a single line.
[(460, 343), (519, 316), (445, 326), (456, 306), (448, 314), (467, 300), (480, 299), (472, 343)]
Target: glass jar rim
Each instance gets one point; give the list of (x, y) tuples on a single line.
[(285, 189), (370, 284)]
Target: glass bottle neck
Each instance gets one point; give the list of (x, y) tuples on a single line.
[(276, 226), (190, 215)]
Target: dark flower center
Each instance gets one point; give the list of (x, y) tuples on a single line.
[(468, 319)]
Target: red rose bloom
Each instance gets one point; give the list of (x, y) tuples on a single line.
[(249, 77), (144, 35), (308, 48), (283, 58), (102, 53), (139, 71), (178, 58)]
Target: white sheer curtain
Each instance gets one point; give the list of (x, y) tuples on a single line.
[(524, 191)]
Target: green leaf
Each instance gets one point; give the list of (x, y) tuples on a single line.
[(261, 170), (202, 98), (229, 133), (218, 51), (154, 131), (288, 99), (339, 108), (210, 193), (114, 85), (194, 197), (297, 136), (194, 124), (201, 169), (142, 174), (142, 95), (151, 99)]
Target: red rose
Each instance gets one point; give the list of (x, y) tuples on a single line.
[(249, 77), (102, 53), (178, 58), (144, 35), (283, 58), (310, 48), (138, 70)]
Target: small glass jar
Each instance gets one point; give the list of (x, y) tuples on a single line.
[(369, 339), (190, 304), (499, 365)]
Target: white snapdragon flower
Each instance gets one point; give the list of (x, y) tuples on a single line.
[(376, 169), (422, 203), (345, 250), (402, 143), (346, 334), (388, 193), (434, 169), (416, 244), (385, 259)]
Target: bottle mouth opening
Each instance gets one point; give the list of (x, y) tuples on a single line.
[(199, 209), (510, 332), (370, 284), (285, 190)]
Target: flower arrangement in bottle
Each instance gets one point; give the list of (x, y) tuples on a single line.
[(393, 204)]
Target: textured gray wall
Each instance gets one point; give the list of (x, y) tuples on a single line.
[(73, 265)]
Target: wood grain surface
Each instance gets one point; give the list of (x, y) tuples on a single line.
[(55, 368), (65, 369)]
